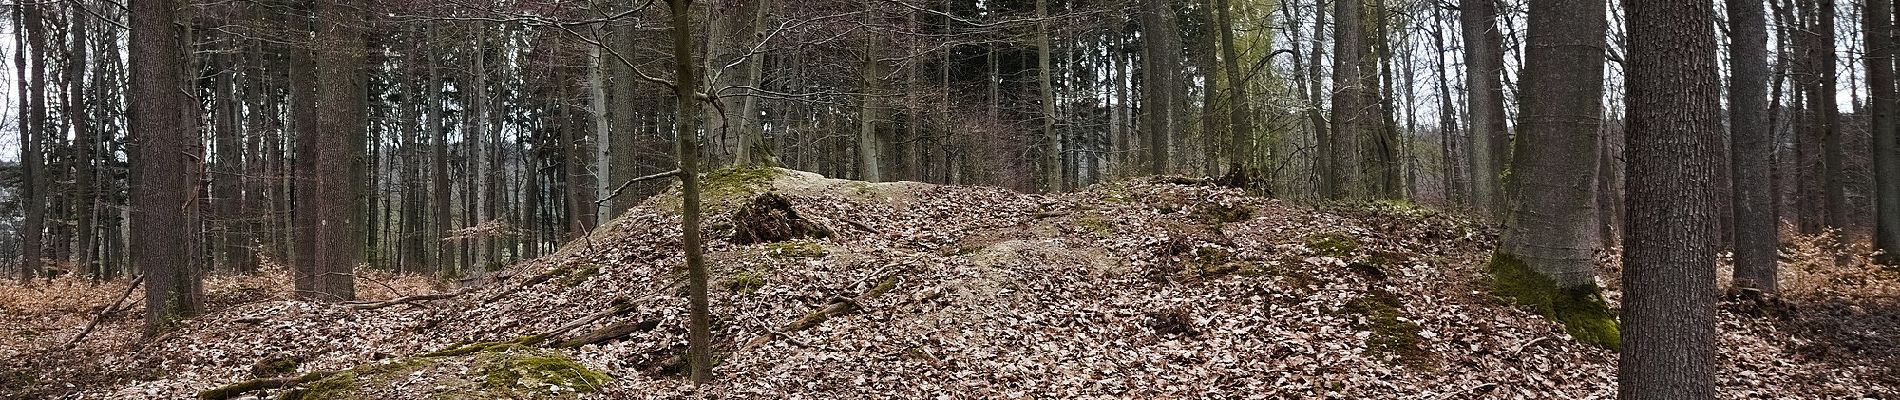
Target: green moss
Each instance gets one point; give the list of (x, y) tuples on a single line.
[(576, 276), (734, 182), (1332, 244), (534, 372), (274, 366), (1391, 334), (1098, 226), (795, 249), (1580, 309), (341, 385), (885, 286), (863, 189), (746, 282)]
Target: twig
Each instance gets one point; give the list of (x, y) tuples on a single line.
[(102, 313), (630, 182), (1520, 348)]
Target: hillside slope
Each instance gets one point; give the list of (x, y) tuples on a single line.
[(825, 288)]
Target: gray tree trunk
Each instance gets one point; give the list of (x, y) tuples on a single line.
[(1484, 80), (1751, 146), (699, 336), (1551, 226)]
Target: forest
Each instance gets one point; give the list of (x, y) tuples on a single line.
[(1445, 199)]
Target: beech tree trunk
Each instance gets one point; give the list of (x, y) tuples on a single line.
[(1484, 80), (1552, 224)]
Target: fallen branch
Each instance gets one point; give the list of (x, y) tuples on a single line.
[(371, 305), (230, 391), (630, 182), (101, 316), (837, 307), (610, 332)]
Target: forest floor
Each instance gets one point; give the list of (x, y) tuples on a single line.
[(1158, 288)]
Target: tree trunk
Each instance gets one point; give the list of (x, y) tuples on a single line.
[(1484, 69), (1052, 144), (1751, 146), (33, 131), (1886, 147), (162, 125), (335, 192), (1454, 177), (870, 159), (1669, 259), (306, 270), (1551, 227), (1349, 102), (699, 337), (84, 192), (1239, 106), (1161, 58), (1834, 184)]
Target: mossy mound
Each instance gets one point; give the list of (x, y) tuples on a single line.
[(1580, 309), (745, 282)]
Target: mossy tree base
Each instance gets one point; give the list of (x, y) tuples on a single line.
[(1580, 309)]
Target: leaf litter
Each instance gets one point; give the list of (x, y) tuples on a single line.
[(1159, 288)]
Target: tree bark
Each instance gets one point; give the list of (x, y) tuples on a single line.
[(1347, 126), (1886, 146), (1484, 69), (699, 336), (1161, 58), (164, 143), (1239, 106), (1751, 146), (335, 191), (1552, 224), (1669, 259), (33, 130)]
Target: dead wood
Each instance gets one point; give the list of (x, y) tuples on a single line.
[(94, 324)]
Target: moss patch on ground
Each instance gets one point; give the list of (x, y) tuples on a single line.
[(1391, 333), (1332, 244), (1580, 309), (746, 282), (522, 373)]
